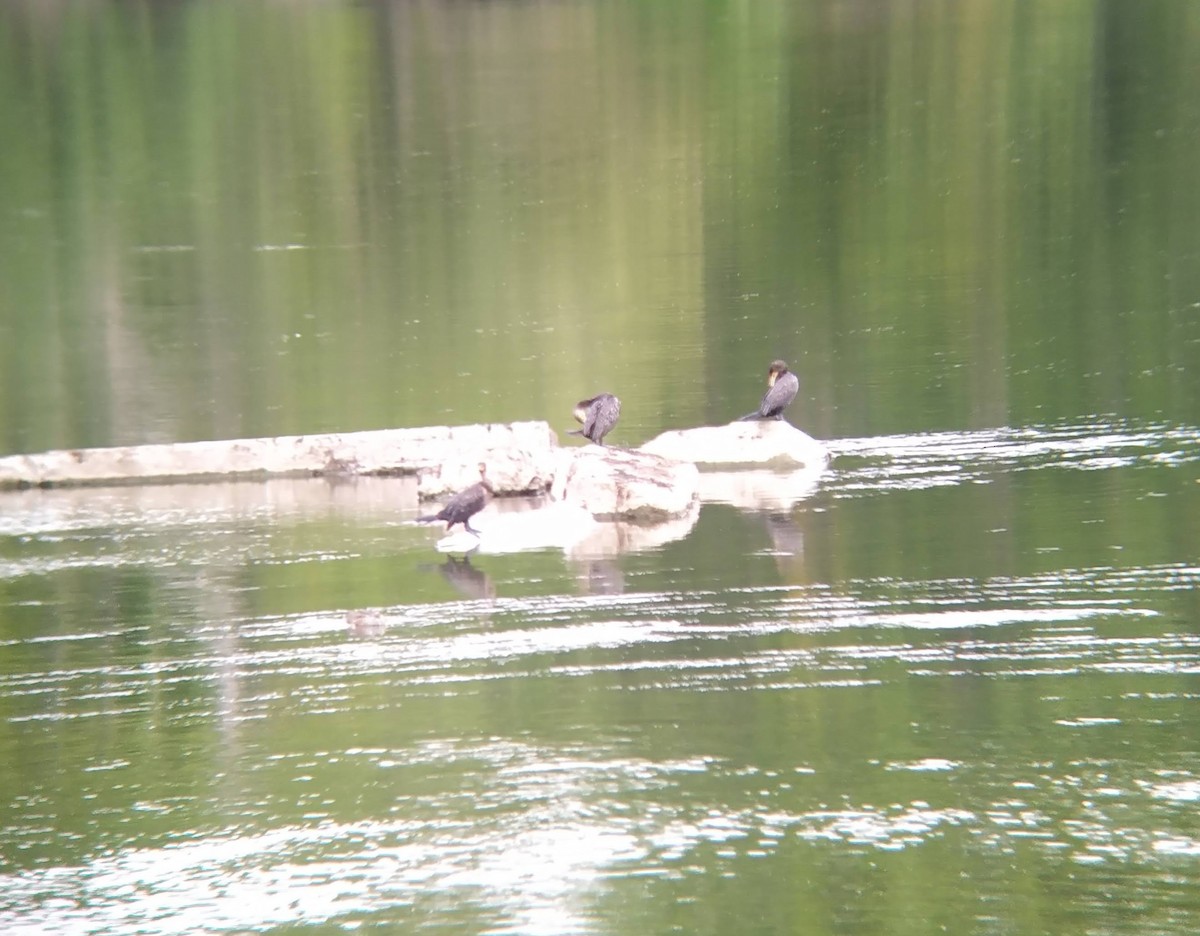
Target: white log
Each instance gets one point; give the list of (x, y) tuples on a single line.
[(520, 458)]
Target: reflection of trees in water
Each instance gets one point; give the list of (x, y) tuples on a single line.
[(986, 304)]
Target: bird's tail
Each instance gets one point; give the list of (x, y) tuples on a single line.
[(574, 432), (755, 415), (428, 518)]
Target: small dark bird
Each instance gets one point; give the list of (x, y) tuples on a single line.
[(465, 504), (598, 415), (782, 387)]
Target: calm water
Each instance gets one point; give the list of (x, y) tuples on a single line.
[(949, 685)]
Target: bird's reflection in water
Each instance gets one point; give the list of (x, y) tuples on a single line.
[(468, 581), (599, 577), (365, 622), (787, 543), (787, 539)]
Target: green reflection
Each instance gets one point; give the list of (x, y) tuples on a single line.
[(238, 218), (234, 219)]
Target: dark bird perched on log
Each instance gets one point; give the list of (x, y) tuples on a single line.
[(465, 504), (782, 387), (598, 415)]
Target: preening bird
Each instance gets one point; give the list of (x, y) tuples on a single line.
[(782, 387), (598, 415)]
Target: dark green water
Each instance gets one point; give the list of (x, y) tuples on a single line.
[(952, 688)]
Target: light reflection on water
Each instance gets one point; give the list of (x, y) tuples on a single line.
[(949, 458), (506, 754), (433, 642), (545, 830)]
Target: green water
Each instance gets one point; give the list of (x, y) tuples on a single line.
[(953, 688)]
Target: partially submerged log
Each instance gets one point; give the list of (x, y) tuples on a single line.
[(162, 507), (619, 484), (520, 458), (757, 443), (657, 482)]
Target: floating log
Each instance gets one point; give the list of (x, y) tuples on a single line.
[(658, 482), (521, 458)]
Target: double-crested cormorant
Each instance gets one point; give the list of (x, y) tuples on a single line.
[(782, 387), (465, 504), (598, 415)]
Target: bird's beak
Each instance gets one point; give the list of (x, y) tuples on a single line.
[(771, 378)]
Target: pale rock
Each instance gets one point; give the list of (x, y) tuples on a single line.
[(761, 443), (620, 484)]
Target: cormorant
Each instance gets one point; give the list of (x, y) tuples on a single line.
[(782, 387), (465, 504), (598, 415)]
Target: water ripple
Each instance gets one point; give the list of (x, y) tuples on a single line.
[(549, 827), (938, 459), (1044, 623)]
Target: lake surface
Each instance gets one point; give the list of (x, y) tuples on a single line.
[(951, 684)]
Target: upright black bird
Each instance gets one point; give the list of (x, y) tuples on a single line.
[(598, 415), (465, 504), (782, 387)]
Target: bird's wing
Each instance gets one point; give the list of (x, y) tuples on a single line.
[(764, 405), (458, 502), (607, 412), (780, 395), (589, 424)]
